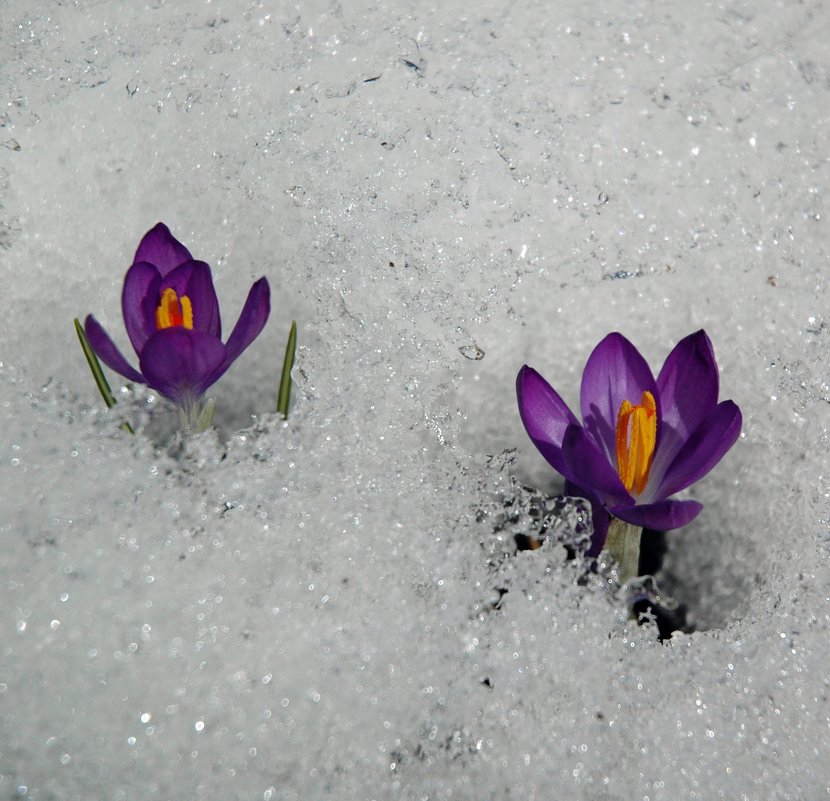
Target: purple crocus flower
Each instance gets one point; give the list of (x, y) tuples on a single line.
[(171, 314), (641, 440)]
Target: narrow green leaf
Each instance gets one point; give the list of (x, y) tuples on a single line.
[(95, 366), (97, 373), (287, 363)]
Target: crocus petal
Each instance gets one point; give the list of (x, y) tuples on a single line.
[(688, 387), (180, 363), (251, 321), (544, 414), (663, 515), (703, 449), (615, 371), (688, 383), (587, 466), (107, 351), (600, 519), (159, 247), (139, 299), (193, 278)]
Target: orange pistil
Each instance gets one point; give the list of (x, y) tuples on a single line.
[(174, 310), (636, 438)]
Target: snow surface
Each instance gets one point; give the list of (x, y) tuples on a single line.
[(437, 194)]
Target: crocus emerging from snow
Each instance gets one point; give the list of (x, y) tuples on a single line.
[(640, 441), (171, 314)]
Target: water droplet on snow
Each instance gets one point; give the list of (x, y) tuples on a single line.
[(472, 352)]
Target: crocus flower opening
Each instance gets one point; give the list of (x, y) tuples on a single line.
[(640, 441), (171, 314)]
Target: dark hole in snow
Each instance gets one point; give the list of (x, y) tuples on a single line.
[(529, 518)]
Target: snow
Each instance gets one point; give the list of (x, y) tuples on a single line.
[(331, 606)]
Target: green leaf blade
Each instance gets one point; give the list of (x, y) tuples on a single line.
[(284, 395), (95, 366), (98, 373)]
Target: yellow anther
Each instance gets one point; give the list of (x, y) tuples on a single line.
[(636, 438), (174, 310)]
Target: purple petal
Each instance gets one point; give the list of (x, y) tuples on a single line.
[(615, 372), (139, 299), (107, 351), (159, 247), (703, 449), (251, 321), (180, 363), (544, 414), (600, 519), (587, 466), (662, 516), (193, 278), (688, 387)]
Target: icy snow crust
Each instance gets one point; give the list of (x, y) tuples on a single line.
[(332, 606)]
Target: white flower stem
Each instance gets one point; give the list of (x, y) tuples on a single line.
[(623, 543), (197, 417)]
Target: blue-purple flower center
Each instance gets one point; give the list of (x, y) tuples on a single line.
[(635, 441)]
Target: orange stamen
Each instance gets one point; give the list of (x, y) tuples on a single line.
[(636, 438), (173, 310)]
